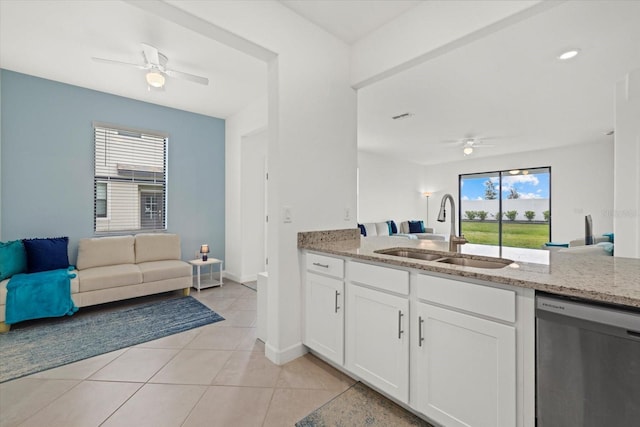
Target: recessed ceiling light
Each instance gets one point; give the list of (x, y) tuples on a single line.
[(514, 171), (572, 53)]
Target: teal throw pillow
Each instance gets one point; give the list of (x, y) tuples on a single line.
[(13, 259)]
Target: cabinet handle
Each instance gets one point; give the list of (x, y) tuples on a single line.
[(420, 337), (317, 264), (336, 305), (400, 331)]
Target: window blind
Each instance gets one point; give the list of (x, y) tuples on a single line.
[(130, 185)]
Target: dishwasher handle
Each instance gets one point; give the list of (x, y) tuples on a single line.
[(625, 319)]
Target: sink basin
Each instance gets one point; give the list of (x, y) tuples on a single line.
[(411, 254), (478, 263)]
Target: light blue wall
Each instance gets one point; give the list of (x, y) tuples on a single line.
[(47, 162)]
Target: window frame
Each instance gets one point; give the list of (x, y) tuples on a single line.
[(500, 174), (130, 159)]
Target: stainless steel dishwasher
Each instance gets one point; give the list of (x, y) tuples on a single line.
[(587, 364)]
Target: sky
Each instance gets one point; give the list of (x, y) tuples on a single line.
[(531, 186)]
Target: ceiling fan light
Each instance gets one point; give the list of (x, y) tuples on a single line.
[(155, 79), (467, 150)]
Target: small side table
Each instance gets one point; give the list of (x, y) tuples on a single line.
[(209, 283)]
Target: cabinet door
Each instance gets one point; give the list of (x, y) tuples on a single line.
[(465, 369), (324, 316), (377, 328)]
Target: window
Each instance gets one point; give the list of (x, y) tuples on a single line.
[(101, 199), (507, 208), (130, 185)]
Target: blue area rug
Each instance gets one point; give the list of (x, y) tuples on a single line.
[(50, 343), (361, 406)]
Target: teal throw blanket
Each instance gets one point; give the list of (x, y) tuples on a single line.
[(39, 295)]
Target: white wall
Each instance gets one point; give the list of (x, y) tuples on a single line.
[(246, 122), (312, 142), (390, 189), (581, 184), (253, 227), (626, 212)]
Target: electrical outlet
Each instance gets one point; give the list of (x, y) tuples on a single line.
[(347, 214)]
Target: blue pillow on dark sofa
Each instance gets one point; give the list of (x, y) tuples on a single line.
[(416, 227), (46, 254)]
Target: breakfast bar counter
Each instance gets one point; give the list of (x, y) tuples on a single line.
[(594, 277)]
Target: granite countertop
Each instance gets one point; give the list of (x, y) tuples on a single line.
[(594, 277)]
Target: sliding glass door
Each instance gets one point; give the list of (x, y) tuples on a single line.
[(507, 208)]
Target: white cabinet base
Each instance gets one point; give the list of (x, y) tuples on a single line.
[(466, 369)]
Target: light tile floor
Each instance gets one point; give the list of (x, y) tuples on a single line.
[(216, 375)]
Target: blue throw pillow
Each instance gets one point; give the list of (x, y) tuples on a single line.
[(416, 227), (393, 229), (46, 254), (363, 230), (13, 259)]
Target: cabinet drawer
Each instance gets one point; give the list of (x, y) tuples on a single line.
[(384, 278), (484, 300), (325, 265)]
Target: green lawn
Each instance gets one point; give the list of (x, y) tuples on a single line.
[(514, 234)]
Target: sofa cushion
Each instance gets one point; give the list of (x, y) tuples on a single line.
[(109, 276), (157, 247), (382, 228), (46, 254), (371, 229), (154, 271), (103, 251), (13, 259)]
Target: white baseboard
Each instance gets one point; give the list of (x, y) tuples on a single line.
[(280, 357)]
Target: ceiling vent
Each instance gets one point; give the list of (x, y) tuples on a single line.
[(402, 116)]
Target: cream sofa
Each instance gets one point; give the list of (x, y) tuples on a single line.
[(121, 267), (375, 229)]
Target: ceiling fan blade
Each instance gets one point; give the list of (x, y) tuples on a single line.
[(150, 54), (111, 61), (187, 76)]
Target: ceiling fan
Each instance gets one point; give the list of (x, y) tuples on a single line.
[(470, 144), (155, 65)]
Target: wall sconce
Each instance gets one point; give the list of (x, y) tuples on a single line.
[(204, 250)]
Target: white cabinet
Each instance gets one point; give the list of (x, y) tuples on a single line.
[(464, 366), (377, 338), (324, 307), (325, 316)]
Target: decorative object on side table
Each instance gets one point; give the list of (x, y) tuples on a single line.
[(204, 250)]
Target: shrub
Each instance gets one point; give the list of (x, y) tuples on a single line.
[(482, 215), (529, 215), (547, 215), (471, 215), (511, 215)]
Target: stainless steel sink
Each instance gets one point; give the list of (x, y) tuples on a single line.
[(446, 258), (478, 263), (425, 256)]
